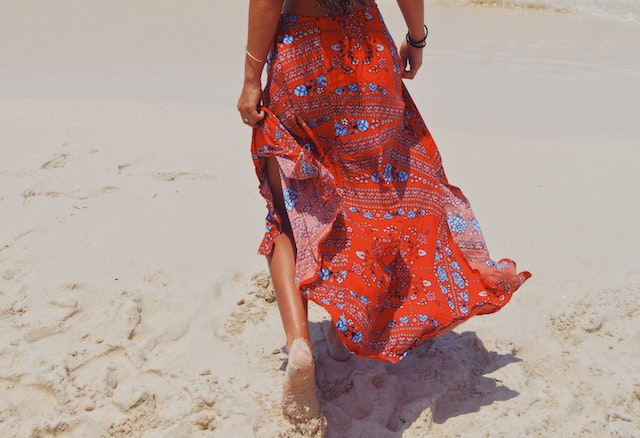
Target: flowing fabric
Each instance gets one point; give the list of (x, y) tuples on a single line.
[(384, 243)]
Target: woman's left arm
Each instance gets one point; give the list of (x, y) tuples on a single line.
[(264, 16), (413, 13)]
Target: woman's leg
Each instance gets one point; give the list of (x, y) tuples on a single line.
[(282, 266), (299, 401), (292, 305)]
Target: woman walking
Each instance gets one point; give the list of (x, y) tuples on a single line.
[(361, 218)]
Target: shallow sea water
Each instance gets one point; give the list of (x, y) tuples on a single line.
[(620, 10)]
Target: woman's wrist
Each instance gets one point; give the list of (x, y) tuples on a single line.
[(252, 71), (420, 34), (418, 43), (253, 57), (251, 81)]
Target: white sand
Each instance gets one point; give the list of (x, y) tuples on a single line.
[(130, 218)]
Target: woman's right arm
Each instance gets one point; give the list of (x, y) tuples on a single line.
[(264, 16), (413, 13)]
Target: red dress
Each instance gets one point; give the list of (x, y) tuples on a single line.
[(384, 243)]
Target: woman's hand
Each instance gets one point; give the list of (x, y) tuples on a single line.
[(413, 13), (249, 104), (411, 59)]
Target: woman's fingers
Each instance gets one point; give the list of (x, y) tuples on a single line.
[(411, 60), (252, 118), (249, 105)]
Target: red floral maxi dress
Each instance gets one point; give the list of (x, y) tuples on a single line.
[(384, 243)]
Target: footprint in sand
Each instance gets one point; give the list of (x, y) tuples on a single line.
[(157, 278), (9, 274), (129, 313), (122, 167), (106, 190), (253, 308), (207, 395), (50, 319), (141, 415), (590, 316), (110, 380), (174, 176), (59, 160), (78, 194)]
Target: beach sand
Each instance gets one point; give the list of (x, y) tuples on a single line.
[(133, 302)]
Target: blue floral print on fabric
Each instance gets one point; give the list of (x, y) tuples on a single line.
[(301, 90), (290, 198), (340, 130), (287, 39), (457, 224), (341, 324), (362, 125)]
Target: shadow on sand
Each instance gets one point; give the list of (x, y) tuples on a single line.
[(440, 379)]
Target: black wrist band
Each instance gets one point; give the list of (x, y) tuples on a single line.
[(419, 44)]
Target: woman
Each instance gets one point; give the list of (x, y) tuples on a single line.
[(361, 217)]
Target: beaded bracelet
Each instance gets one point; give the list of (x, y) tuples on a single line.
[(418, 44)]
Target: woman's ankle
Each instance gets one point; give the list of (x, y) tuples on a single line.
[(306, 340)]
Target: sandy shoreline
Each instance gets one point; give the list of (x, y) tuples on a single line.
[(130, 222)]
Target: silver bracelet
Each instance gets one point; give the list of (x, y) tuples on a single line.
[(246, 50)]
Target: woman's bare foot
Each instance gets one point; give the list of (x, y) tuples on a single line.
[(337, 350), (299, 401)]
